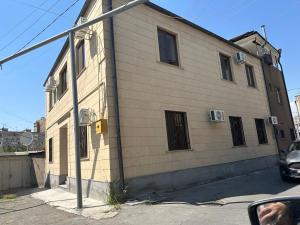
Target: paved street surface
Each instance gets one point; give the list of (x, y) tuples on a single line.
[(228, 205)]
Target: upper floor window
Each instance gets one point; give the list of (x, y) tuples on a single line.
[(250, 76), (177, 130), (237, 131), (63, 81), (80, 57), (278, 96), (261, 131), (226, 67), (168, 47)]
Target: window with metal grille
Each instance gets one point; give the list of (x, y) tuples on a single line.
[(250, 76), (80, 57), (237, 131), (168, 47), (83, 141), (63, 82), (177, 130), (261, 131), (50, 150)]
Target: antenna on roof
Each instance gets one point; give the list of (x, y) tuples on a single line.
[(263, 27)]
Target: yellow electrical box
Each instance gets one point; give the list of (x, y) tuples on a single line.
[(101, 126)]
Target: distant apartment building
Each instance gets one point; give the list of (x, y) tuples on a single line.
[(185, 109), (275, 84), (39, 125), (11, 141)]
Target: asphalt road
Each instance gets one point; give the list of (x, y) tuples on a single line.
[(228, 201)]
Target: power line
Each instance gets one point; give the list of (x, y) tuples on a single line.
[(30, 26), (21, 21), (49, 25), (35, 7)]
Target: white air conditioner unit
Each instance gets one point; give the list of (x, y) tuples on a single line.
[(84, 117), (273, 120), (240, 58), (50, 85), (217, 116), (81, 34)]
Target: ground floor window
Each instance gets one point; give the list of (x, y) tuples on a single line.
[(177, 130), (261, 131), (282, 134), (83, 141), (237, 131), (50, 150)]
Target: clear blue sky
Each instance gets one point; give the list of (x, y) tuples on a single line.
[(21, 81)]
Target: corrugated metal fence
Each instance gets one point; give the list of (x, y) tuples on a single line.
[(21, 170)]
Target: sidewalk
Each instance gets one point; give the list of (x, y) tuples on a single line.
[(67, 202)]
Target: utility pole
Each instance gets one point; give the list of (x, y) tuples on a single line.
[(70, 34)]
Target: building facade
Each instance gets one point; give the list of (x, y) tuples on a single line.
[(275, 84), (297, 117), (170, 75)]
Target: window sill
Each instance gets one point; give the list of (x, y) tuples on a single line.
[(81, 72), (230, 81), (84, 159), (63, 94), (263, 144), (240, 146), (182, 150), (251, 87), (171, 65)]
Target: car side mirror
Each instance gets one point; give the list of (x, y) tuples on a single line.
[(276, 211)]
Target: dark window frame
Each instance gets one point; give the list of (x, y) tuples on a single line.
[(278, 95), (164, 52), (225, 61), (176, 142), (83, 135), (250, 75), (238, 136), (50, 150), (63, 82), (80, 57), (282, 133), (261, 131)]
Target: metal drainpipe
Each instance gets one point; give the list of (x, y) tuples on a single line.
[(116, 96), (285, 89), (266, 85)]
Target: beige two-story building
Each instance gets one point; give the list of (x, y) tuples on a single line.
[(180, 106)]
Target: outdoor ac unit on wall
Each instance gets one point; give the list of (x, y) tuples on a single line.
[(273, 120), (81, 34), (50, 85), (217, 116), (240, 58), (84, 117)]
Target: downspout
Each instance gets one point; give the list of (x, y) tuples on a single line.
[(116, 96), (268, 95), (284, 83)]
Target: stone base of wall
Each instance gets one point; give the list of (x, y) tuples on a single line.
[(90, 188), (185, 178), (167, 181), (52, 181)]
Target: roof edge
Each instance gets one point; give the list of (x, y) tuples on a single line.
[(163, 11)]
